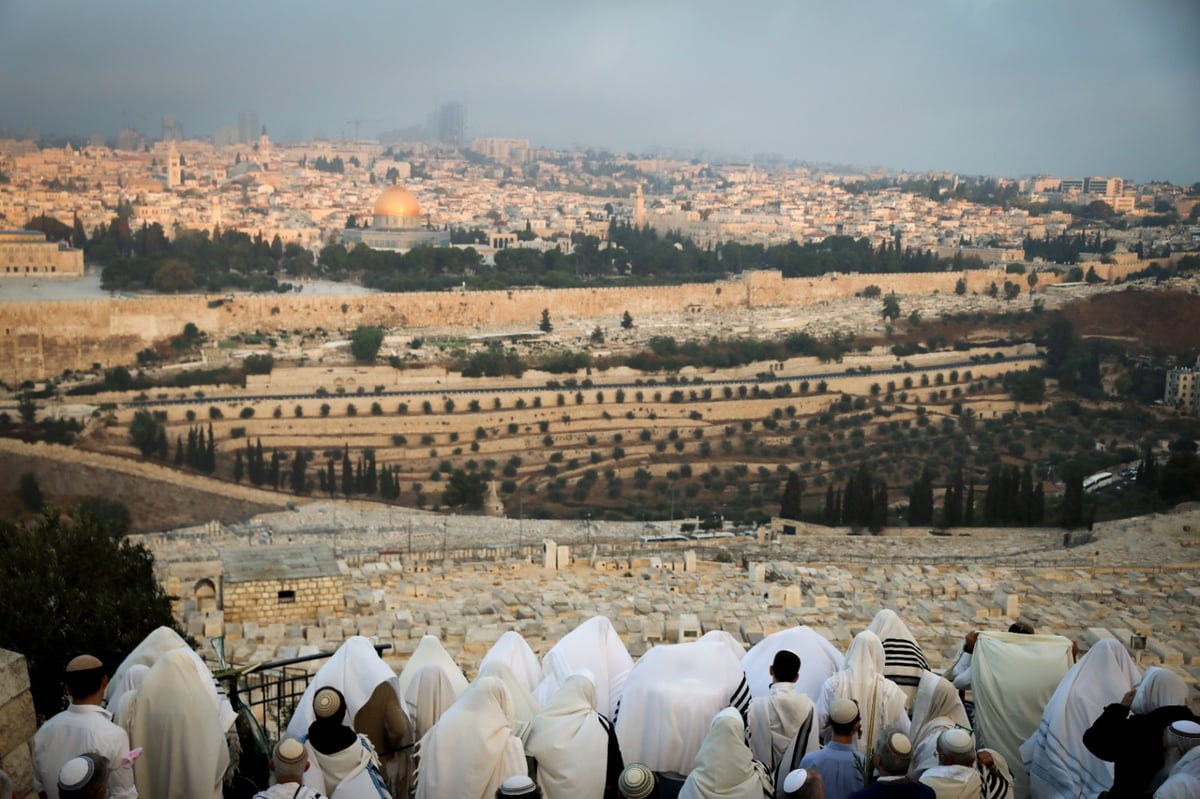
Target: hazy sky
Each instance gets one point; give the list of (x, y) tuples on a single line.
[(1007, 87)]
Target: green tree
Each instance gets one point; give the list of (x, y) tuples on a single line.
[(790, 508), (960, 286), (464, 490), (891, 306), (545, 324), (144, 432), (626, 321), (55, 602), (30, 491), (365, 342)]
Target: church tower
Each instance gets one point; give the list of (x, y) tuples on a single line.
[(639, 209), (174, 168)]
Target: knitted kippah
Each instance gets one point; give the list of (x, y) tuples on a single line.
[(327, 703)]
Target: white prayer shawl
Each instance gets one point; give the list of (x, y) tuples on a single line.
[(570, 743), (174, 722), (122, 698), (903, 660), (595, 646), (670, 698), (1159, 688), (936, 709), (819, 659), (352, 773), (513, 651), (1183, 782), (430, 650), (355, 670), (997, 778), (1059, 765), (724, 765), (1013, 677), (776, 721), (954, 782), (472, 749), (151, 650), (523, 706), (880, 701), (429, 695)]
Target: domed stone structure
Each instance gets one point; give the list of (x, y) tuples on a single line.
[(397, 225), (397, 209)]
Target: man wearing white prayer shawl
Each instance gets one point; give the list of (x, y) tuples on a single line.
[(725, 768), (174, 721), (429, 695), (472, 750), (122, 698), (595, 646), (783, 725), (523, 706), (903, 660), (880, 701), (513, 651), (1183, 781), (1059, 765), (346, 760), (373, 706), (430, 650), (670, 698), (818, 660), (571, 743), (936, 708), (1013, 676)]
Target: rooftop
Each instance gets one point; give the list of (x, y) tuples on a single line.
[(294, 562)]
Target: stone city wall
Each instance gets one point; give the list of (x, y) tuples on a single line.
[(260, 601), (18, 722), (39, 340)]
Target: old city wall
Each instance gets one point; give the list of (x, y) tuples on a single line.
[(42, 339)]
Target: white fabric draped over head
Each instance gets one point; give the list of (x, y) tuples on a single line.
[(430, 650), (1183, 781), (356, 670), (514, 651), (818, 660), (472, 749), (569, 743), (1059, 765), (152, 648), (1159, 688), (904, 661), (936, 708), (429, 695), (724, 766), (880, 701), (118, 704), (670, 699), (593, 645), (523, 706), (173, 720)]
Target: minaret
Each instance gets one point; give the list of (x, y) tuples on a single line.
[(174, 170), (639, 209)]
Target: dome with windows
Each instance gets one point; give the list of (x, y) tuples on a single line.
[(397, 208)]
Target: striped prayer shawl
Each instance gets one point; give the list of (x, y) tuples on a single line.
[(904, 662)]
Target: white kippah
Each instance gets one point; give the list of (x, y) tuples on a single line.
[(795, 780), (956, 741), (900, 743), (518, 785), (75, 773)]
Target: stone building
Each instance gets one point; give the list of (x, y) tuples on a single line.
[(1183, 389), (26, 253), (268, 584), (397, 225)]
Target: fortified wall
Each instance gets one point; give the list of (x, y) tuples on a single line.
[(39, 340)]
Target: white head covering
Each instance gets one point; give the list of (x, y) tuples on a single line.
[(429, 695), (593, 645), (936, 709), (1183, 781), (569, 743), (471, 751), (513, 651), (904, 661), (118, 705), (1159, 688), (818, 660), (724, 765), (356, 670), (670, 699), (430, 650), (173, 720), (1058, 762), (862, 680), (523, 706)]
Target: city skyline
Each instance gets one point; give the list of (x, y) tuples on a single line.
[(972, 87)]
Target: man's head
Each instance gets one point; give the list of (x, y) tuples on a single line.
[(803, 783), (289, 761), (636, 782), (786, 666), (329, 705), (845, 719), (84, 777), (85, 679), (1178, 739), (519, 785), (1021, 627), (893, 753), (956, 747)]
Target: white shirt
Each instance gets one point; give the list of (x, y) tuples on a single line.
[(76, 731)]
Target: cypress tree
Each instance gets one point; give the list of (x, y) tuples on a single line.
[(830, 515), (237, 466), (347, 473), (330, 482), (790, 507), (275, 469), (969, 510), (179, 450)]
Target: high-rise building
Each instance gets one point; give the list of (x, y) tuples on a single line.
[(172, 129), (448, 123), (1104, 187), (248, 127), (1183, 389)]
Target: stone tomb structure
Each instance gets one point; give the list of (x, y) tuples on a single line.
[(280, 584)]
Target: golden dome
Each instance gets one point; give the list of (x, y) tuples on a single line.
[(397, 201)]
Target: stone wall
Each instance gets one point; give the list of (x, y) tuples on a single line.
[(260, 601), (39, 340), (18, 722)]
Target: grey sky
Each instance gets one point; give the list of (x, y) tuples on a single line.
[(1008, 87)]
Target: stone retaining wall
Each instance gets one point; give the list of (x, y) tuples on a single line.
[(268, 601), (18, 722)]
